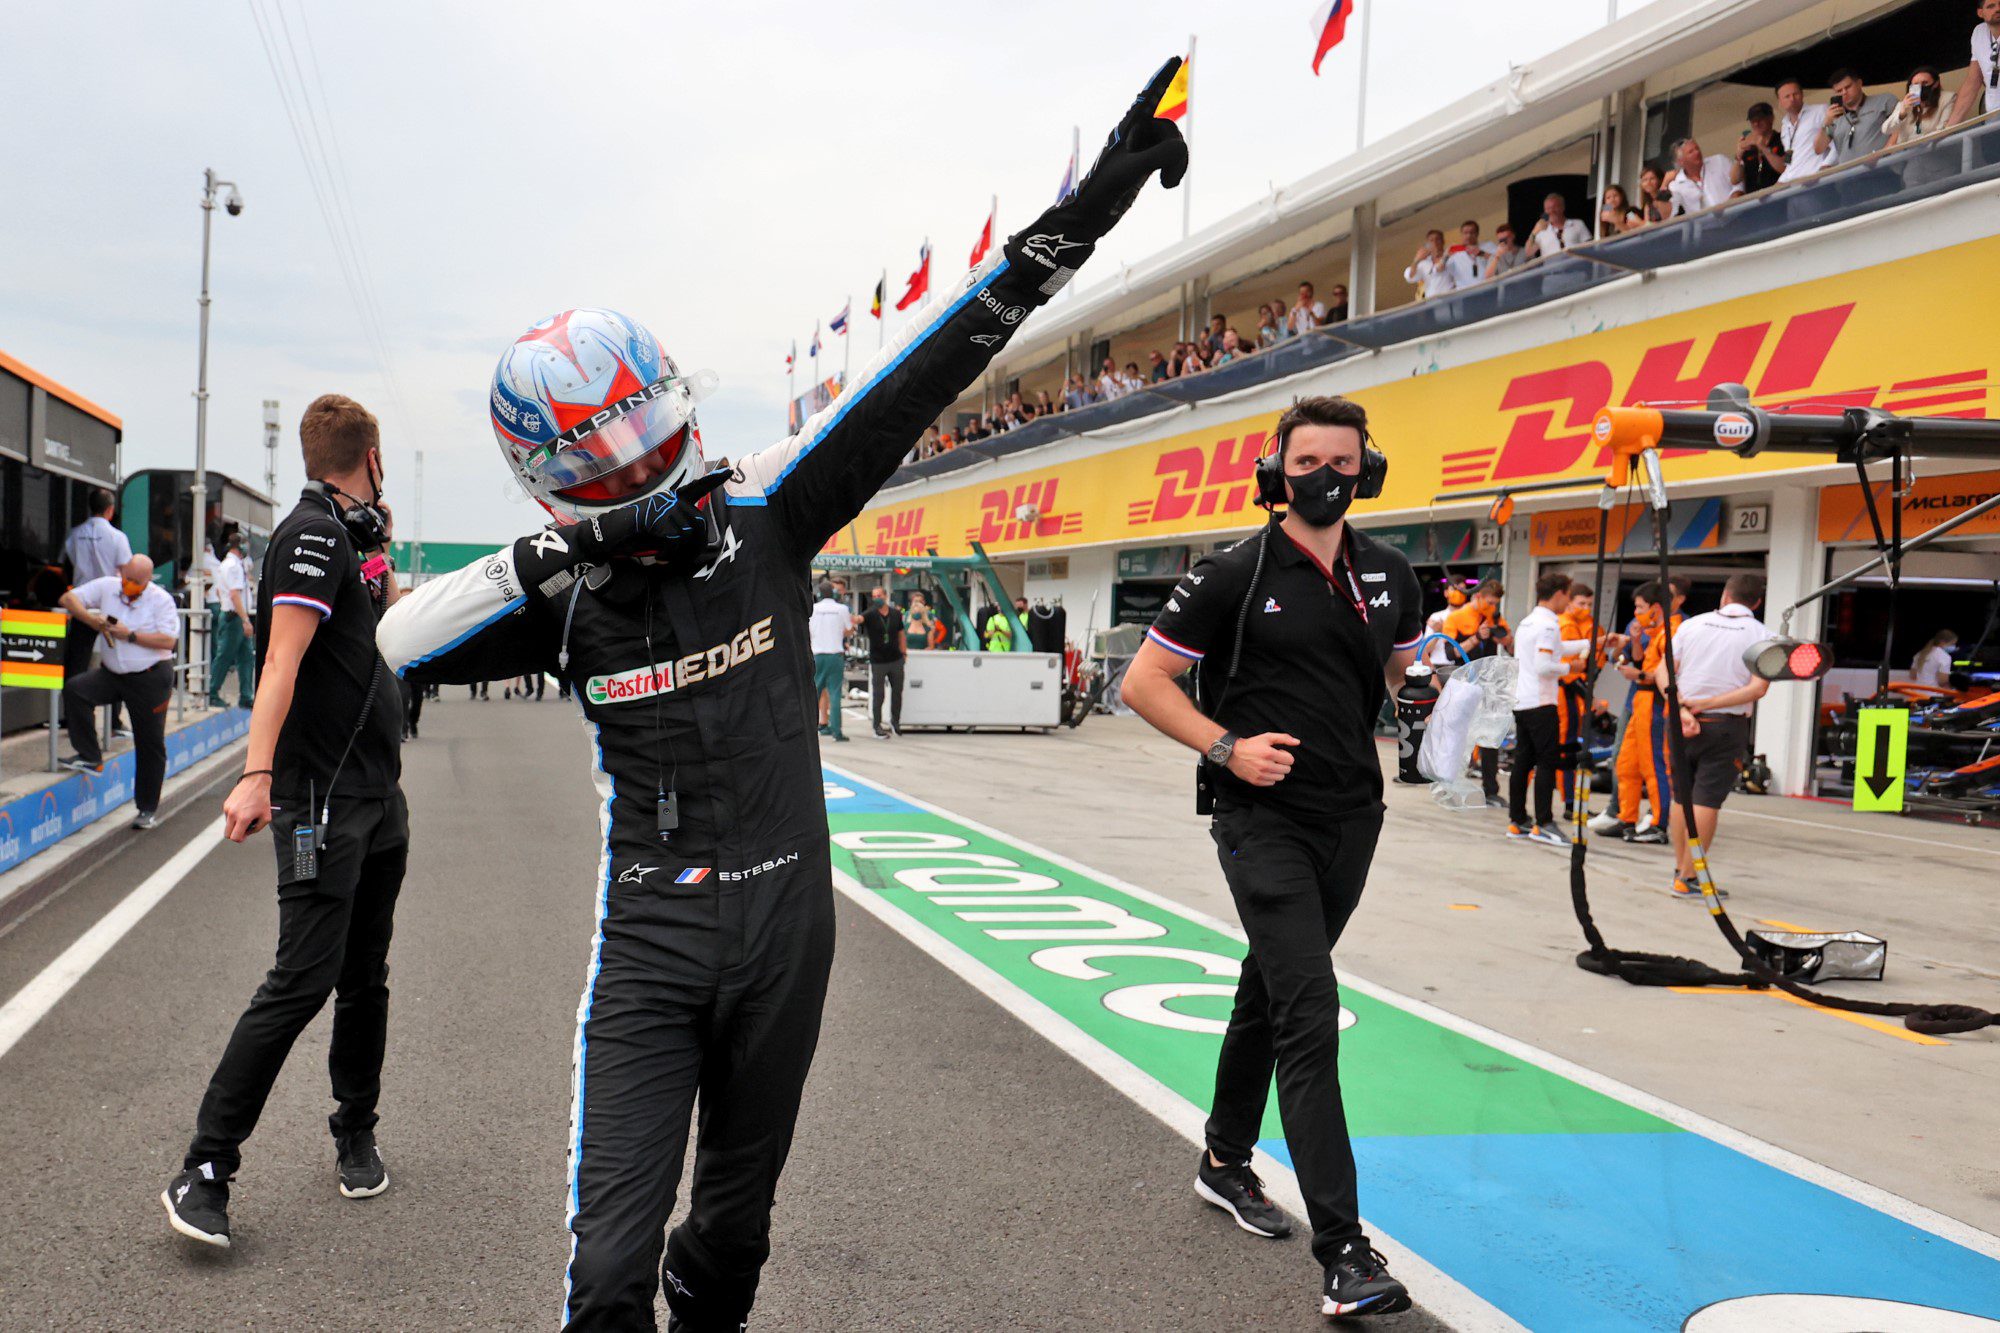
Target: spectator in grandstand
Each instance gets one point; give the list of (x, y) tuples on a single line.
[(1156, 366), (1217, 326), (1855, 120), (1920, 111), (1232, 347), (1465, 263), (1615, 213), (929, 444), (1307, 313), (1110, 384), (1760, 153), (1556, 231), (1270, 326), (1507, 252), (1336, 311), (1044, 405), (1932, 664), (1428, 272), (1654, 205), (1798, 132), (1701, 180), (1076, 392), (1982, 76), (1131, 379)]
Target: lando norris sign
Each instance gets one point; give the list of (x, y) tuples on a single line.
[(1559, 1204)]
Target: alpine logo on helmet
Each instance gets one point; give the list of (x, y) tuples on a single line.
[(590, 413)]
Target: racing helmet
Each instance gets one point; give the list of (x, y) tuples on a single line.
[(592, 414)]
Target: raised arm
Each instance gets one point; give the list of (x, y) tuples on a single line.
[(819, 479)]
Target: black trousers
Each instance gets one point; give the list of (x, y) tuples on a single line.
[(1294, 888), (1536, 747), (78, 645), (712, 990), (413, 706), (145, 695), (333, 939), (885, 675)]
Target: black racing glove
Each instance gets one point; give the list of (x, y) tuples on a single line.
[(668, 525), (1141, 144)]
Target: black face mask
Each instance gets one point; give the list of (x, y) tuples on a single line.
[(1321, 496)]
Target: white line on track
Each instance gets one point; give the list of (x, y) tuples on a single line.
[(1933, 843), (1873, 1196), (34, 1000)]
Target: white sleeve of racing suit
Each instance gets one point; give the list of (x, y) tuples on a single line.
[(457, 625)]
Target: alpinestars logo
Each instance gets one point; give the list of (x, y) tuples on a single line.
[(636, 874), (1046, 247)]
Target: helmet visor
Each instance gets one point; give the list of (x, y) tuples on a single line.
[(639, 476), (616, 438)]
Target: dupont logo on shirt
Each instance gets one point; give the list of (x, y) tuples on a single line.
[(646, 681)]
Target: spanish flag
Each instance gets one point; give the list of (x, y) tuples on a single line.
[(1174, 102)]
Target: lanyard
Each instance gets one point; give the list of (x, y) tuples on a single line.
[(1350, 591)]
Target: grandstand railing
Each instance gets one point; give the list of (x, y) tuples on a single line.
[(1964, 155)]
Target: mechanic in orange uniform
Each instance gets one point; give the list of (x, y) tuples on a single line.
[(1642, 755)]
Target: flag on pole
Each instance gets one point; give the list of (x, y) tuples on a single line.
[(1329, 26), (875, 306), (791, 358), (985, 241), (1174, 102), (1068, 186), (839, 322), (813, 351), (920, 281)]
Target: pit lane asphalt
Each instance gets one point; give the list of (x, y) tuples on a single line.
[(952, 1169)]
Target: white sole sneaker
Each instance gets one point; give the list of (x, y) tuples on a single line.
[(1201, 1188), (368, 1193), (188, 1230)]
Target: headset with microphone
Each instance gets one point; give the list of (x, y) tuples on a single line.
[(363, 521), (1271, 472)]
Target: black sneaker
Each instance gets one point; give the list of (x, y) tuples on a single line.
[(197, 1202), (1358, 1283), (1237, 1191), (76, 764), (1652, 836), (362, 1175)]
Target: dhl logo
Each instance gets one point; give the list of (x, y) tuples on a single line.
[(1000, 513), (902, 533), (1553, 409), (1201, 480)]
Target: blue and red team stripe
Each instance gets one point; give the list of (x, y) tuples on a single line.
[(692, 875)]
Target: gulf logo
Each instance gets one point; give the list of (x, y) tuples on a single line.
[(1733, 429)]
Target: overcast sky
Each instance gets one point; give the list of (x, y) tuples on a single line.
[(725, 173)]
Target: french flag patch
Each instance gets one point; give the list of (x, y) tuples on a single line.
[(692, 875)]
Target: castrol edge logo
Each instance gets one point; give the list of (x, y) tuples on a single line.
[(645, 682)]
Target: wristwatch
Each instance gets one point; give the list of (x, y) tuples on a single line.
[(1218, 753)]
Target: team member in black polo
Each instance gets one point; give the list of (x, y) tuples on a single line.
[(335, 754), (1286, 728)]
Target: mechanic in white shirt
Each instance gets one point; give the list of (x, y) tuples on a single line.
[(1557, 231), (1701, 181), (1541, 648), (141, 627), (827, 629), (1798, 129), (1428, 272), (1466, 263), (235, 640), (1982, 76), (1717, 693)]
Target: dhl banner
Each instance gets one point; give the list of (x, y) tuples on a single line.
[(1849, 340), (1843, 511)]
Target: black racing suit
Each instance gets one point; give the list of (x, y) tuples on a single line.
[(712, 948)]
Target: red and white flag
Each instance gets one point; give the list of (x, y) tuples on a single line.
[(985, 241), (1329, 26), (920, 281)]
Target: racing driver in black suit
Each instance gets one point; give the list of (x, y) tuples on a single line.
[(674, 600)]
